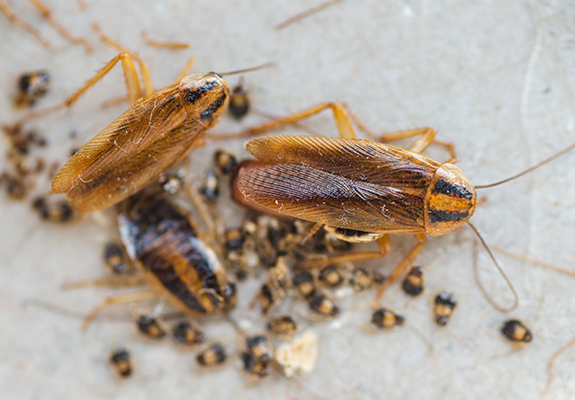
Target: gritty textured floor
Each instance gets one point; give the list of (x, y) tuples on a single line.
[(495, 78)]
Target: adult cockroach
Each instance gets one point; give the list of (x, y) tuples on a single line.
[(156, 132), (364, 189)]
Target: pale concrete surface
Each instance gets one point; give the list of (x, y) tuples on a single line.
[(495, 78)]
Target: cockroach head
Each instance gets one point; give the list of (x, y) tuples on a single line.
[(450, 200), (205, 96)]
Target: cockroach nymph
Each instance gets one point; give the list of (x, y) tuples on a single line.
[(444, 305), (122, 362), (515, 331)]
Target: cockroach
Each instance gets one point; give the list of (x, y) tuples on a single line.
[(362, 185), (155, 133), (210, 189), (283, 325), (212, 355), (183, 269), (386, 319), (303, 281), (164, 243), (122, 362), (53, 212), (413, 282), (515, 331), (115, 259), (31, 87), (186, 334), (239, 102), (150, 327), (330, 276), (225, 162), (257, 356), (323, 305), (254, 367), (259, 347), (444, 305)]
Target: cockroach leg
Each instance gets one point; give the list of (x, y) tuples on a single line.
[(112, 281), (163, 44), (401, 268), (189, 64), (119, 299), (47, 14), (341, 118), (7, 11), (427, 137), (130, 75), (146, 80)]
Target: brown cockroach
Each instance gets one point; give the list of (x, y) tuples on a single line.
[(182, 268), (363, 189), (156, 132)]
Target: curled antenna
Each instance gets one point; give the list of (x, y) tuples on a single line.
[(540, 164), (507, 281)]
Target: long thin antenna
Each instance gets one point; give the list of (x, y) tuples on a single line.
[(550, 366), (241, 71), (507, 281), (532, 260), (553, 157)]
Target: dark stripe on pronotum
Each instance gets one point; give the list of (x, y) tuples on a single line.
[(452, 189), (447, 216), (196, 94), (207, 114)]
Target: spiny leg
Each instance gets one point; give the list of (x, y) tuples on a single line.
[(323, 261), (111, 281), (7, 11), (130, 75), (47, 14), (119, 299), (146, 80), (119, 100), (427, 137), (401, 268), (163, 44), (189, 64), (341, 118)]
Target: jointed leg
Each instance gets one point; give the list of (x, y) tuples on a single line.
[(146, 80), (5, 8), (401, 268), (47, 14), (323, 261), (130, 75), (111, 281), (120, 299), (341, 118), (164, 45), (189, 64), (427, 137)]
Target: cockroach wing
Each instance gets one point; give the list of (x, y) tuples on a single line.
[(356, 159), (145, 122), (315, 195), (134, 173)]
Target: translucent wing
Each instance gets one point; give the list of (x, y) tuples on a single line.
[(315, 195), (132, 174), (356, 159), (127, 136)]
